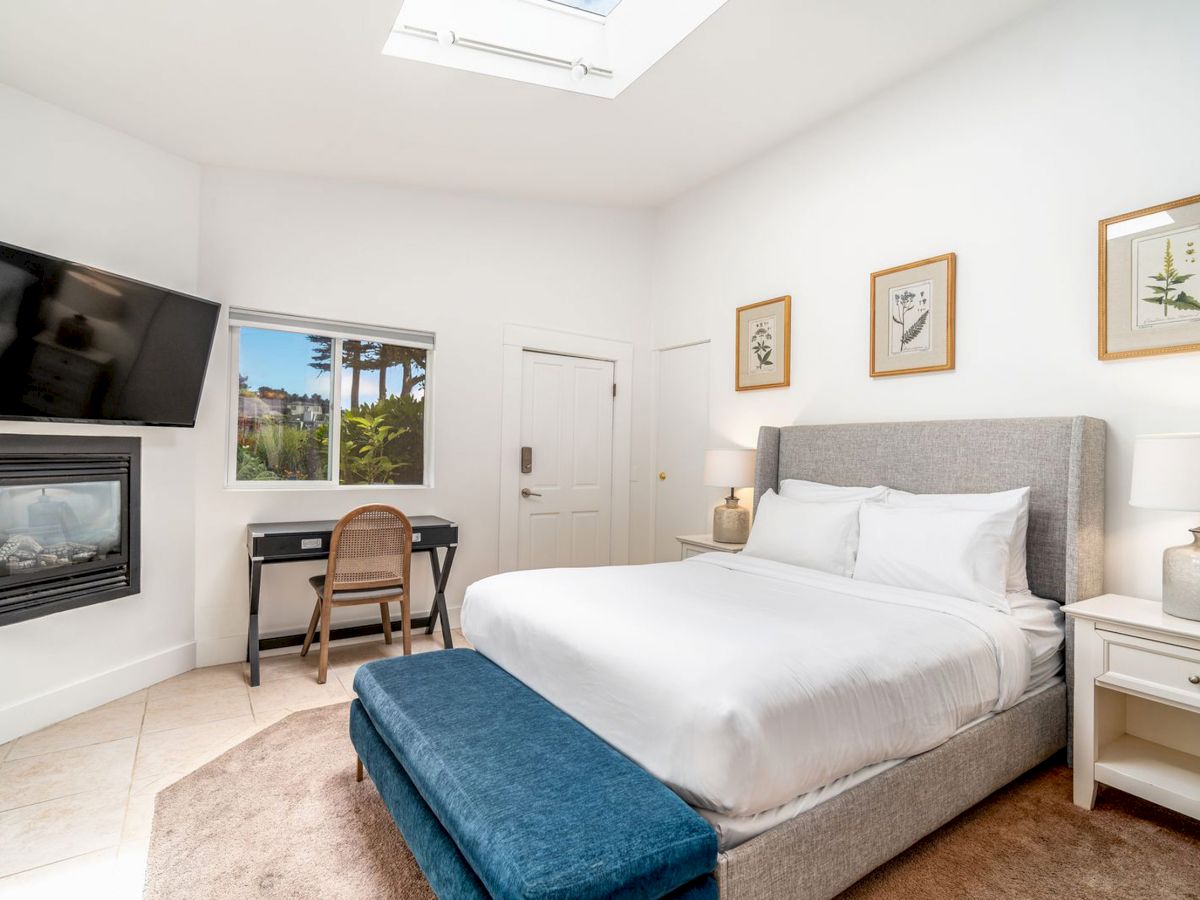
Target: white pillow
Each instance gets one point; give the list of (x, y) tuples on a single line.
[(1014, 503), (956, 552), (822, 536), (815, 491)]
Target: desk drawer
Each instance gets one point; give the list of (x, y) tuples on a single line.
[(276, 546), (435, 535), (1151, 667), (315, 544)]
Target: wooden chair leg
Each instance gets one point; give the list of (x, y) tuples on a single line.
[(387, 622), (312, 629), (359, 775), (323, 666), (405, 625)]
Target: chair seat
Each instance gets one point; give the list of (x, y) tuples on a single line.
[(318, 585)]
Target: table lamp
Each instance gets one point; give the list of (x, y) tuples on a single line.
[(1166, 475), (732, 469)]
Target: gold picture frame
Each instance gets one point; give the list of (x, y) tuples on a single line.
[(763, 329), (924, 343), (1135, 302)]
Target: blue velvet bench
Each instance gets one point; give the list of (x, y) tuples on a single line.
[(498, 793)]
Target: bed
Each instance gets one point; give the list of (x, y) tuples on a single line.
[(689, 668)]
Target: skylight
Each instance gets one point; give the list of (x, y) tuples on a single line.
[(599, 7), (596, 47)]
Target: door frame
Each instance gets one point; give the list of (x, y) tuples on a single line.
[(517, 340)]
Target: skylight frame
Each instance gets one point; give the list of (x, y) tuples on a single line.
[(584, 6)]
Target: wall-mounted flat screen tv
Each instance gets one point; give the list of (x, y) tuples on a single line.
[(81, 345)]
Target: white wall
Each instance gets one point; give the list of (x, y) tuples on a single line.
[(75, 189), (1008, 155), (459, 265)]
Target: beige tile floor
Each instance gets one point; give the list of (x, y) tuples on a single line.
[(77, 798)]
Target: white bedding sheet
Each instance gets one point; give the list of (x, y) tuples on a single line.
[(745, 684), (733, 830)]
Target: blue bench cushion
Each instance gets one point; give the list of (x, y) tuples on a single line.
[(538, 806), (445, 868)]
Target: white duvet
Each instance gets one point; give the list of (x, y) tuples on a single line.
[(744, 683)]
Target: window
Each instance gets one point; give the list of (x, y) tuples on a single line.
[(326, 404)]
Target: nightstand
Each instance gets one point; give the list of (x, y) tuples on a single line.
[(1137, 702), (695, 544)]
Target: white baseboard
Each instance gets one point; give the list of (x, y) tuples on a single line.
[(61, 703), (219, 651)]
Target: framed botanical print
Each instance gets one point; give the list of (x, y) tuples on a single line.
[(764, 344), (1149, 303), (912, 318)]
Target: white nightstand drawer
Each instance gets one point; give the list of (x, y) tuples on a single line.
[(1151, 667)]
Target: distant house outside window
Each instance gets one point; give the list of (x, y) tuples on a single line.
[(327, 405)]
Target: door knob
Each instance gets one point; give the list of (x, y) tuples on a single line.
[(1194, 679), (527, 493), (662, 476)]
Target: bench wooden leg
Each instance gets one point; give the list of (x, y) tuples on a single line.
[(359, 776)]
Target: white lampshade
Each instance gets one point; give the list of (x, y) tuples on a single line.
[(729, 468), (1166, 472)]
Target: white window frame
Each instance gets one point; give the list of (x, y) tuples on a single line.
[(338, 332)]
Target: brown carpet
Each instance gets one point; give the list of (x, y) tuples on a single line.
[(281, 816)]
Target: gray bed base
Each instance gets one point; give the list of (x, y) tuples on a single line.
[(825, 850)]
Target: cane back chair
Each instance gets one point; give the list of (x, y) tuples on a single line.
[(370, 556)]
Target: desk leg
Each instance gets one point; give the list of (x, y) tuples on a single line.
[(441, 575), (252, 630), (436, 566)]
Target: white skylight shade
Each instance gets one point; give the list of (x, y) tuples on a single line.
[(599, 7), (572, 45)]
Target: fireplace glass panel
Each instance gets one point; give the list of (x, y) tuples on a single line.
[(55, 526)]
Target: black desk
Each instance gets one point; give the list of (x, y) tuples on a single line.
[(282, 542)]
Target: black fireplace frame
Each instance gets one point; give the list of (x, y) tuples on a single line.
[(62, 459)]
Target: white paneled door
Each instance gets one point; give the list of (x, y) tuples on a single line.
[(566, 494), (681, 502)]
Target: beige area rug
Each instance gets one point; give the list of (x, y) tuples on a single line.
[(280, 815)]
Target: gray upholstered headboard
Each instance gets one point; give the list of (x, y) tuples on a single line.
[(1062, 460)]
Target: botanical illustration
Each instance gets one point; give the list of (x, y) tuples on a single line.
[(909, 307), (1164, 266), (761, 336)]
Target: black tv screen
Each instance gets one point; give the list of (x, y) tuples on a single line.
[(81, 345)]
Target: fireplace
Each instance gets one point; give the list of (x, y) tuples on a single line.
[(69, 529)]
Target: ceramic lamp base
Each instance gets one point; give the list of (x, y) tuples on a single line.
[(731, 523), (1181, 579)]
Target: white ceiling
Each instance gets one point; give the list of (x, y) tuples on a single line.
[(302, 86)]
